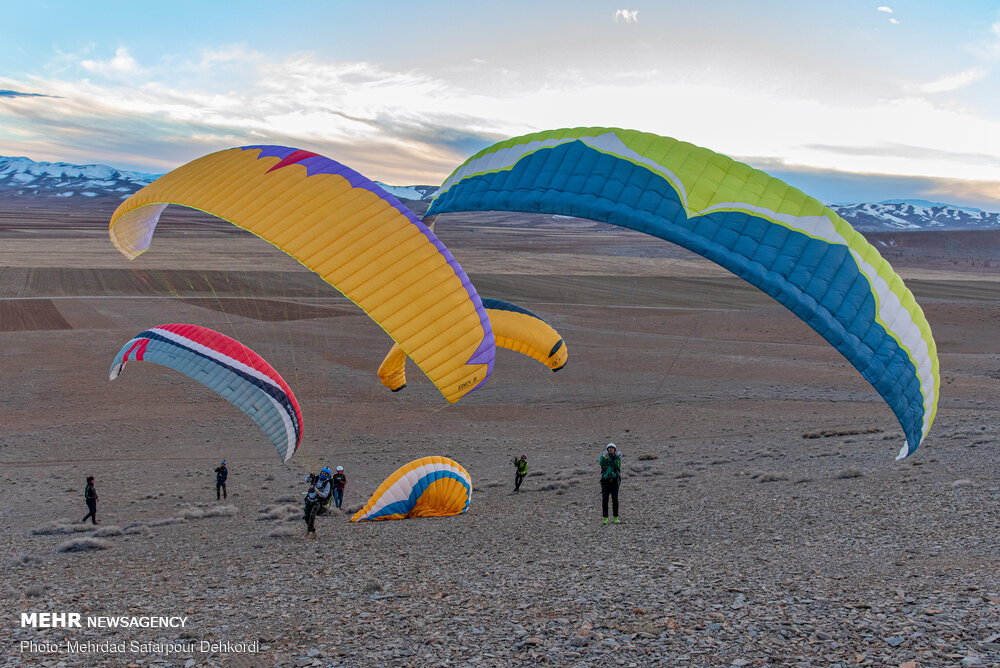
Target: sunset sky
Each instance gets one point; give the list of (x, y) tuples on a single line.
[(850, 101)]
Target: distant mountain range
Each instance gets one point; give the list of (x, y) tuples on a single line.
[(25, 178)]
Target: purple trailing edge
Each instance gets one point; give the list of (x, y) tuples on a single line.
[(318, 164)]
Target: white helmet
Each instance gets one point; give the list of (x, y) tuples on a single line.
[(610, 445), (340, 468)]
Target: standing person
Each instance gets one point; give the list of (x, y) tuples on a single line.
[(339, 482), (90, 496), (312, 505), (221, 475), (520, 470), (611, 477)]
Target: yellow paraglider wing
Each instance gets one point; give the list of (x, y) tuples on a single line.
[(426, 487), (347, 229), (514, 328)]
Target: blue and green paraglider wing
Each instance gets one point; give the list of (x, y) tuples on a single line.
[(770, 234)]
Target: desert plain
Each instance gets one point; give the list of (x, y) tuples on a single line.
[(765, 521)]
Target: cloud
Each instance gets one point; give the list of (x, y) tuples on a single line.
[(15, 93), (887, 10), (121, 63), (894, 21), (627, 15), (407, 125), (838, 187), (952, 81)]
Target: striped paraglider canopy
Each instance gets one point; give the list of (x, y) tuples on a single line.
[(426, 487)]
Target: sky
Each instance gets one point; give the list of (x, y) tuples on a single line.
[(849, 101)]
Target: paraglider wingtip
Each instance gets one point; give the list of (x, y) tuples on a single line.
[(399, 388), (904, 452), (559, 368)]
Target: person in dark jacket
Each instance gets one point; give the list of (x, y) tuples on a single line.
[(520, 470), (611, 477), (221, 475), (90, 496), (339, 482)]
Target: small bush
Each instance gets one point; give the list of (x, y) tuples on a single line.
[(84, 544), (373, 586), (284, 532), (61, 526), (765, 476), (219, 511), (965, 482), (165, 521), (849, 473), (35, 591), (24, 560), (106, 532), (648, 456)]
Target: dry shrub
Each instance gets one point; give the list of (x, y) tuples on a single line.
[(35, 591), (965, 482), (219, 511), (648, 456), (107, 532), (284, 532), (553, 486), (134, 527), (165, 521), (282, 512), (84, 544), (849, 473), (61, 526), (373, 586), (769, 476), (827, 433), (24, 560)]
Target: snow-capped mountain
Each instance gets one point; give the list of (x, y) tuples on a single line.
[(413, 193), (896, 214), (25, 178)]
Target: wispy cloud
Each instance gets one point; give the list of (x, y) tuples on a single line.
[(627, 15), (16, 93), (952, 81), (887, 10)]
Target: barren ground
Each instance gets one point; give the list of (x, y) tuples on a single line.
[(764, 521)]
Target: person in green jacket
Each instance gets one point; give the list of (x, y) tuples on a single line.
[(520, 470), (611, 477)]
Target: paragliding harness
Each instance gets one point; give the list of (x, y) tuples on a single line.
[(323, 500), (312, 504)]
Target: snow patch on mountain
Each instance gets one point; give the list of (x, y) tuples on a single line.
[(23, 177)]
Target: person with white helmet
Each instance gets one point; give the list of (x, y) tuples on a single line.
[(611, 477), (339, 482)]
